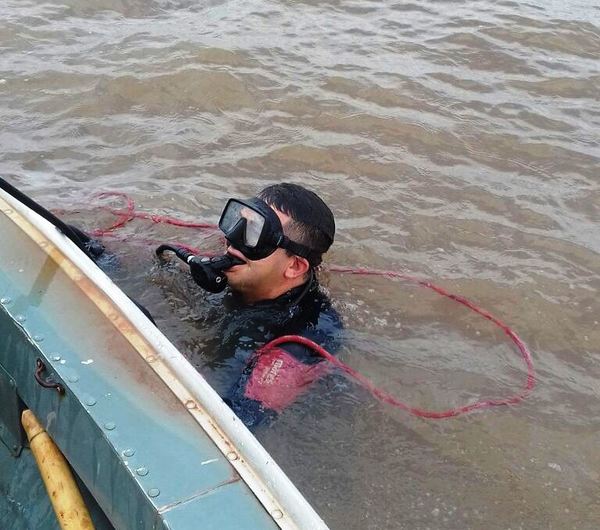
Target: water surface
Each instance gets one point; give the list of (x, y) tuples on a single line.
[(457, 141)]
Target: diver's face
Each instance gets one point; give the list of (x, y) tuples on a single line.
[(258, 279)]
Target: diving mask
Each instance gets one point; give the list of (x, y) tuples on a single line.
[(252, 227)]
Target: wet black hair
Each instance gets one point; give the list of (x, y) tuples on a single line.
[(312, 222)]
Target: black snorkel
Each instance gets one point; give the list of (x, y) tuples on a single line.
[(206, 272)]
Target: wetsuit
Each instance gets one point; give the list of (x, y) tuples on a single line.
[(265, 383)]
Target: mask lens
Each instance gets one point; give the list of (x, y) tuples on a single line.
[(254, 223), (254, 226)]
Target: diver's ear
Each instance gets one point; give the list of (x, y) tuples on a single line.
[(297, 267)]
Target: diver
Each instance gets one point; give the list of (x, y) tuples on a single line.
[(275, 241)]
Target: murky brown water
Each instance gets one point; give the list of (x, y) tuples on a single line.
[(455, 140)]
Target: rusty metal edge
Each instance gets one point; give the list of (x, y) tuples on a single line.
[(275, 491)]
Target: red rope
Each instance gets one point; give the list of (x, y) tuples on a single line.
[(130, 213), (391, 400), (126, 215)]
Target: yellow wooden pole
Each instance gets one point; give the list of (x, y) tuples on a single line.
[(64, 494)]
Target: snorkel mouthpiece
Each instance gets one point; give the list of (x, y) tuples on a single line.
[(206, 272)]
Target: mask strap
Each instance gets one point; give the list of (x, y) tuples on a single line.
[(296, 248)]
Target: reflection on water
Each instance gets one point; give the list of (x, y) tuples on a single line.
[(458, 141)]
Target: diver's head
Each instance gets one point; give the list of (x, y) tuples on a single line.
[(281, 235)]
